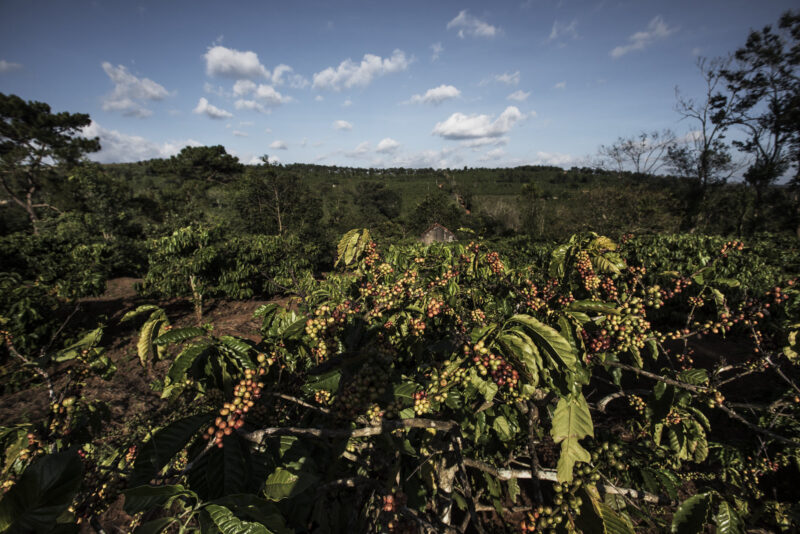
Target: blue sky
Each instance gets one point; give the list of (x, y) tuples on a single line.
[(370, 83)]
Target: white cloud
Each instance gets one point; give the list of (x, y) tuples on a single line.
[(461, 126), (130, 92), (7, 66), (271, 97), (279, 145), (437, 50), (342, 125), (494, 154), (319, 98), (508, 78), (243, 87), (294, 80), (251, 105), (437, 95), (214, 90), (554, 158), (239, 133), (246, 123), (560, 85), (436, 159), (351, 74), (118, 147), (480, 142), (347, 103), (656, 29), (268, 130), (204, 108), (229, 63), (304, 142), (387, 145), (470, 25), (519, 96), (360, 151), (561, 30)]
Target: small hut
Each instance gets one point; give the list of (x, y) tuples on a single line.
[(437, 234)]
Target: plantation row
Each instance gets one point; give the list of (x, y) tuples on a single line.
[(643, 385)]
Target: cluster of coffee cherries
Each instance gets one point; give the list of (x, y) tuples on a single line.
[(609, 288), (584, 265), (629, 330), (487, 363), (441, 280), (434, 308), (372, 255), (715, 398), (597, 342), (422, 403), (637, 403), (364, 389), (530, 294), (384, 269), (477, 316), (231, 415), (375, 413), (495, 264), (731, 245), (417, 326), (609, 454), (391, 517), (322, 397), (566, 504)]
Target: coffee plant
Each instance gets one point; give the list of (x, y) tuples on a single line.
[(440, 389)]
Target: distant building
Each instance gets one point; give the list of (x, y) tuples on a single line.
[(437, 234)]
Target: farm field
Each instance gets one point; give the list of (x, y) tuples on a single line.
[(462, 328)]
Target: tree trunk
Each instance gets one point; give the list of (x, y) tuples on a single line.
[(197, 300)]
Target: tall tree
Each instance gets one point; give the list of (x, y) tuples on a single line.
[(642, 154), (703, 157), (765, 85), (34, 145), (207, 163)]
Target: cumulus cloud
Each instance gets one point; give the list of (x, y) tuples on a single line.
[(251, 105), (469, 25), (117, 147), (656, 29), (229, 63), (519, 95), (560, 85), (130, 92), (360, 151), (285, 74), (271, 97), (461, 126), (436, 159), (342, 125), (480, 142), (494, 154), (243, 87), (554, 158), (387, 145), (279, 145), (508, 78), (437, 95), (7, 66), (351, 74), (561, 30), (204, 108), (437, 50)]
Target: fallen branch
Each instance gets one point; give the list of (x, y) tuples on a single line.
[(551, 476), (386, 426)]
